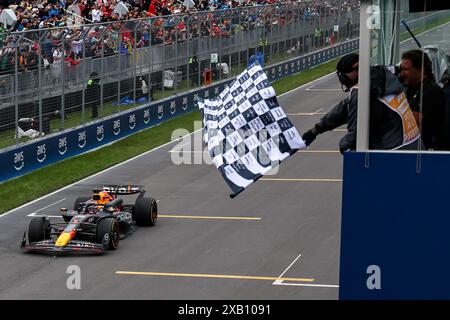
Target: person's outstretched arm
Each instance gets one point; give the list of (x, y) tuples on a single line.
[(336, 117)]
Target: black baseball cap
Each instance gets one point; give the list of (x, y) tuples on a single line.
[(347, 63)]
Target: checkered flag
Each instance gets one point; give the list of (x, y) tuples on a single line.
[(246, 130)]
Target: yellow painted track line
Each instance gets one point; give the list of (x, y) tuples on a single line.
[(301, 180), (307, 114), (206, 217), (213, 276), (318, 151)]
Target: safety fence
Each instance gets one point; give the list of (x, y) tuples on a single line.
[(56, 79), (55, 147)]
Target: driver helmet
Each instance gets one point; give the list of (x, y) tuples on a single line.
[(105, 198)]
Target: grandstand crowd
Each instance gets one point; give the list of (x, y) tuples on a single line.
[(33, 14), (161, 22)]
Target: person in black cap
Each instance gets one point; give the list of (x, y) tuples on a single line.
[(386, 129)]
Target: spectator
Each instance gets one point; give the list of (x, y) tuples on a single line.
[(189, 24), (96, 14), (426, 99), (194, 70), (56, 66)]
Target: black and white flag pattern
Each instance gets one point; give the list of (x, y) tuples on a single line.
[(246, 130)]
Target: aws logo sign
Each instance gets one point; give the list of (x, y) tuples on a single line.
[(62, 146), (82, 139), (132, 121), (100, 133), (19, 160), (41, 153), (184, 103), (160, 112), (173, 107), (116, 127), (146, 116)]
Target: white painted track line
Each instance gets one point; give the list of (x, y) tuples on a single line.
[(138, 156), (33, 214), (285, 270)]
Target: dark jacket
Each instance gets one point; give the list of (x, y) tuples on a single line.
[(434, 127), (446, 131), (386, 129)]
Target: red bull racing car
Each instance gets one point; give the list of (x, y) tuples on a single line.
[(95, 224)]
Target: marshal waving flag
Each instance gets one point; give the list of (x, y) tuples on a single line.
[(246, 130)]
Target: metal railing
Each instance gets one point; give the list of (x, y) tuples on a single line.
[(54, 79)]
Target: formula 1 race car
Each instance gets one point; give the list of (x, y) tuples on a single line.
[(95, 224)]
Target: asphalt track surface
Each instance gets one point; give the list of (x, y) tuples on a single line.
[(294, 236), (279, 239), (439, 36)]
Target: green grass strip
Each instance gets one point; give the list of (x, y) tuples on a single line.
[(33, 185), (427, 26)]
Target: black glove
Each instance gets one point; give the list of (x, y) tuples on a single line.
[(309, 136), (342, 150)]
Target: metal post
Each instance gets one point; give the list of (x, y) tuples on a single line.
[(198, 52), (40, 88), (278, 28), (16, 91), (394, 50), (219, 55), (188, 43), (83, 90), (163, 60), (239, 54), (362, 141), (339, 13), (210, 48), (135, 64), (229, 59), (175, 86), (150, 61), (297, 39), (119, 40), (249, 42), (63, 83), (102, 72)]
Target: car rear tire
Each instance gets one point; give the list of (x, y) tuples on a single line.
[(145, 211), (38, 229), (108, 233)]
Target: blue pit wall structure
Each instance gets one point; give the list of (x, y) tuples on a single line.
[(19, 160), (395, 228)]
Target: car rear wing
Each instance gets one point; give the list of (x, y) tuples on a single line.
[(121, 189)]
